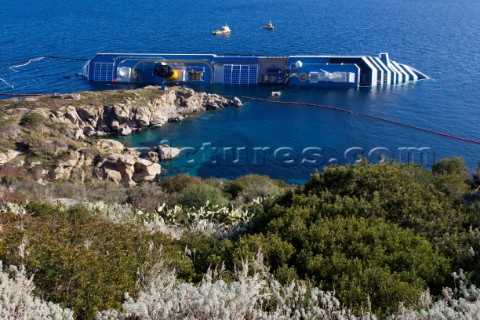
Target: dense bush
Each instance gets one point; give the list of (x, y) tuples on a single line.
[(253, 186), (31, 119), (452, 165), (201, 194), (148, 197), (82, 261), (254, 293), (177, 183), (386, 232), (361, 258), (410, 196)]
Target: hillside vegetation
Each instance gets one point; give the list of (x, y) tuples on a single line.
[(354, 240)]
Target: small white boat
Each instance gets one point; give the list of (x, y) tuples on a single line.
[(269, 26), (225, 30)]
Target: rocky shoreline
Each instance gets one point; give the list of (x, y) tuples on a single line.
[(65, 136)]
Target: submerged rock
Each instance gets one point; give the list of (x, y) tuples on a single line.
[(276, 93), (237, 103)]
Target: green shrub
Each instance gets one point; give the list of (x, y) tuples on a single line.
[(206, 252), (252, 186), (378, 233), (199, 194), (376, 228), (6, 121), (359, 258), (41, 209), (178, 183), (452, 165), (278, 253), (407, 195), (31, 119), (83, 262), (148, 196)]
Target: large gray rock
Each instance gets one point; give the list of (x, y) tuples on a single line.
[(112, 175), (143, 115), (121, 113), (118, 168), (78, 134), (166, 152), (72, 115), (175, 119), (152, 156), (115, 125), (89, 130), (123, 165), (63, 169), (215, 102), (125, 131), (89, 115), (135, 113), (145, 170), (109, 146)]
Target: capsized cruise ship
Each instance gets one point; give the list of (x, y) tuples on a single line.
[(300, 70)]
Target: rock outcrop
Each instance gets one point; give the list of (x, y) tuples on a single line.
[(126, 116), (116, 163), (65, 168), (166, 152), (112, 161), (64, 130)]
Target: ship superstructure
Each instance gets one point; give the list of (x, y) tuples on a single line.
[(297, 70)]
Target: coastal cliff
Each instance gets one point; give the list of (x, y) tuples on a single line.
[(63, 136)]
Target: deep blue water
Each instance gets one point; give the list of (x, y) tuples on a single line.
[(438, 37)]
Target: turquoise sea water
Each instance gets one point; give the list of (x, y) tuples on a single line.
[(440, 38)]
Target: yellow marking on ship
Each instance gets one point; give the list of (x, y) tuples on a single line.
[(176, 61), (174, 76)]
